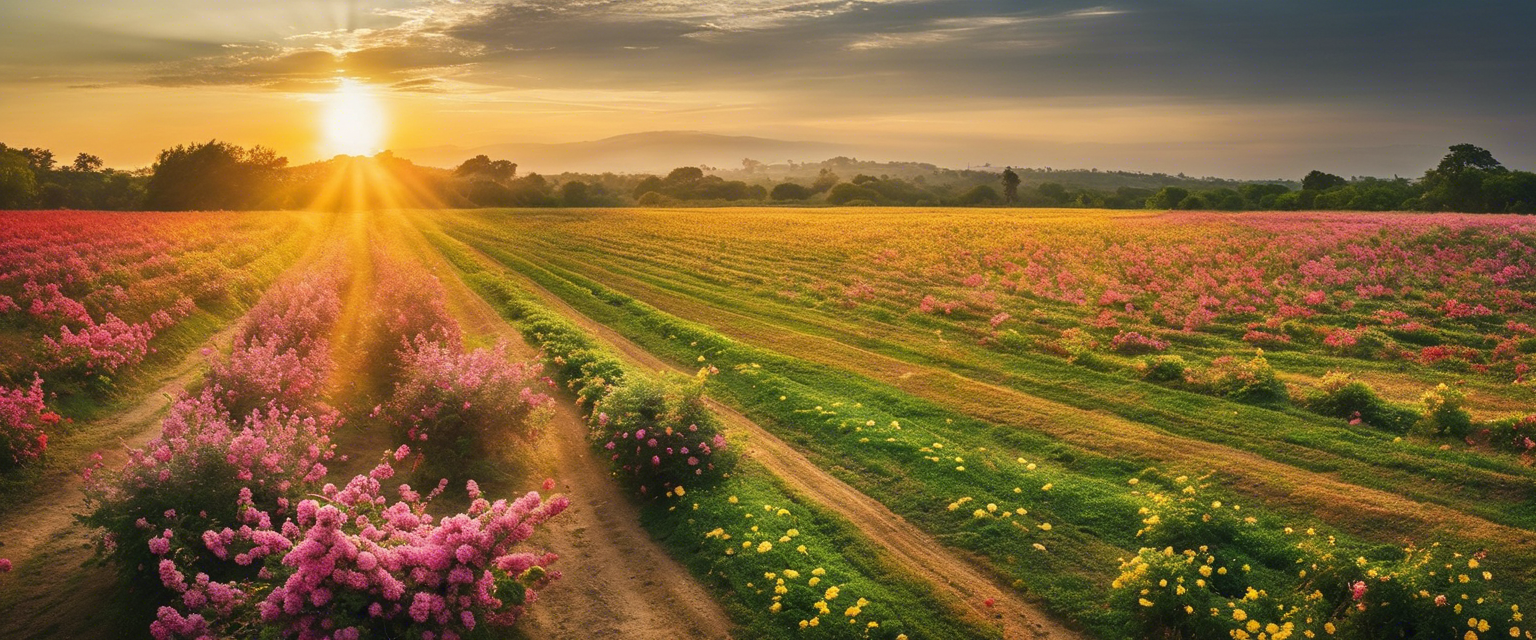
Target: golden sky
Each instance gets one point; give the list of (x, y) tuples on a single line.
[(1241, 89)]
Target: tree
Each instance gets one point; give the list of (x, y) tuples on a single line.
[(750, 166), (847, 192), (790, 191), (1053, 191), (213, 175), (1010, 185), (483, 166), (684, 175), (1456, 184), (980, 194), (41, 160), (86, 163), (1167, 198), (574, 193), (1319, 181), (824, 181), (18, 182)]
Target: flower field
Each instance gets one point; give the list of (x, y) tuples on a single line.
[(1032, 387), (835, 423)]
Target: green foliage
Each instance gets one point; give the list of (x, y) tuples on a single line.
[(1342, 396), (18, 183), (1319, 181), (789, 191), (1445, 412), (212, 176), (1162, 368), (1167, 198), (1250, 380)]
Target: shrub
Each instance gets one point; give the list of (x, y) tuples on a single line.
[(453, 406), (661, 434), (192, 478), (23, 419), (1251, 380), (1341, 396), (359, 566), (1445, 412), (1162, 368), (1134, 343)]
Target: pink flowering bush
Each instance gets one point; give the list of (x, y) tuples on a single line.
[(1131, 343), (410, 304), (453, 407), (350, 563), (660, 435), (24, 418)]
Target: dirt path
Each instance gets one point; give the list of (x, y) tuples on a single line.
[(1378, 514), (617, 582), (56, 591), (908, 545)]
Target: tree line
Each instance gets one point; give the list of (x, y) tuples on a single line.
[(217, 175)]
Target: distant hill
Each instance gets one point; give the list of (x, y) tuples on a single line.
[(648, 152)]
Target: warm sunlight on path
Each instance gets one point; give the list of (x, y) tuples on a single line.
[(913, 549), (617, 582)]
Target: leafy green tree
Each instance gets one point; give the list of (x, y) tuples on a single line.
[(1167, 198), (1010, 185), (1053, 192), (212, 176), (1319, 181), (1456, 184), (18, 182), (574, 193), (790, 191), (846, 192), (86, 163), (1512, 192), (980, 194), (483, 167)]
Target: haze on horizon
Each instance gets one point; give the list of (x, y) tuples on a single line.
[(1256, 89)]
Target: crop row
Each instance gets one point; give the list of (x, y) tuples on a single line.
[(994, 490), (784, 566)]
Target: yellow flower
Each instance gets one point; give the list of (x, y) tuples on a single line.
[(1328, 626), (732, 500), (791, 574), (813, 581), (1045, 526), (1047, 487), (818, 571), (765, 547), (1239, 615), (679, 491), (831, 593), (1145, 602), (1039, 547), (777, 606), (1134, 481), (852, 612)]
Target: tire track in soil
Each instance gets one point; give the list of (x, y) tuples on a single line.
[(64, 597), (616, 581), (910, 546)]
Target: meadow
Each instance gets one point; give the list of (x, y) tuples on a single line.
[(767, 423)]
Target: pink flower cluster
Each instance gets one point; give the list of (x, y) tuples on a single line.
[(358, 565), (1132, 342), (23, 419), (445, 396)]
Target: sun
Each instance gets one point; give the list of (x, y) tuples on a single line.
[(353, 121)]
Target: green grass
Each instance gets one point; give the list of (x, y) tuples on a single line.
[(1092, 510), (750, 497)]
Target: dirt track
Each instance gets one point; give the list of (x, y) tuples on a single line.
[(55, 592), (915, 550), (617, 582)]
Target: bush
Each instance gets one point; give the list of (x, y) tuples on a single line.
[(1134, 343), (453, 407), (1341, 396), (1162, 368), (661, 434), (23, 417), (790, 191), (1253, 380), (1445, 412)]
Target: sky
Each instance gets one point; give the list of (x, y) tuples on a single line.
[(1234, 88)]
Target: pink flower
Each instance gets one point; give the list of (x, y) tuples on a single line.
[(1358, 590), (5, 565)]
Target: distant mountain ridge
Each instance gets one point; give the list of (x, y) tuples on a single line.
[(647, 152)]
